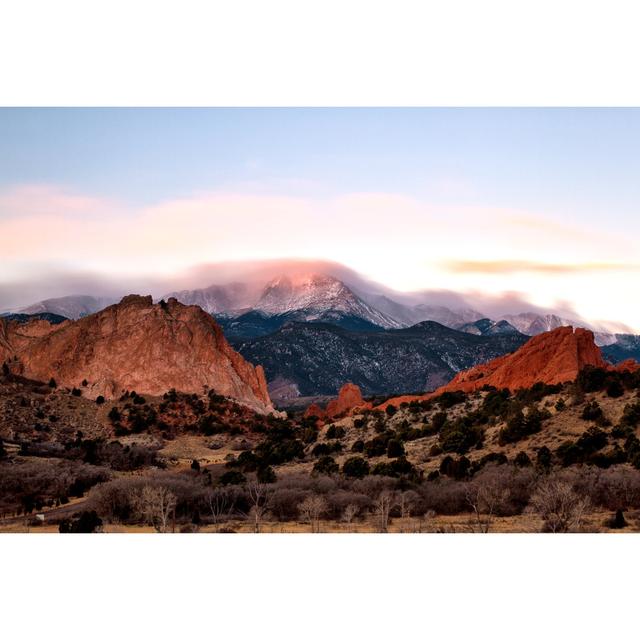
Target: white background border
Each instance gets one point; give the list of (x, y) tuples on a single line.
[(318, 53)]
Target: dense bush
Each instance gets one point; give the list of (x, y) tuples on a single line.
[(335, 432), (522, 460), (377, 446), (86, 522), (592, 411), (355, 467), (520, 426), (544, 458), (449, 399), (584, 449), (462, 434), (456, 469), (396, 468), (395, 448), (326, 465)]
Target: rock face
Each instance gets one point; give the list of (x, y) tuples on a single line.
[(135, 345), (553, 357), (349, 399)]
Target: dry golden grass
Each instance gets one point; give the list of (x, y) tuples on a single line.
[(463, 523)]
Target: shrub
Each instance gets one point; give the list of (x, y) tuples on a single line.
[(195, 465), (631, 415), (522, 460), (520, 426), (358, 446), (396, 468), (584, 449), (591, 379), (326, 465), (592, 411), (444, 496), (395, 448), (233, 477), (86, 522), (100, 400), (615, 389), (449, 399), (355, 467), (438, 421), (543, 458), (114, 415), (266, 475), (52, 383), (561, 508), (390, 410), (377, 446), (335, 433), (461, 435), (76, 392), (457, 469)]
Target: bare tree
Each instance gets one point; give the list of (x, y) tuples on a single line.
[(220, 502), (561, 508), (311, 508), (258, 495), (382, 507), (349, 513), (485, 495), (155, 505), (406, 503)]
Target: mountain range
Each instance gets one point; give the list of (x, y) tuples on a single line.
[(307, 359), (314, 331)]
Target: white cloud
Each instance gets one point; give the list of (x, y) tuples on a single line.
[(399, 241)]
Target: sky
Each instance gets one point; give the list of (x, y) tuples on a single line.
[(541, 205)]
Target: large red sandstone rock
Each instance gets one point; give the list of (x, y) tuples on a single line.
[(349, 400), (553, 357), (135, 345)]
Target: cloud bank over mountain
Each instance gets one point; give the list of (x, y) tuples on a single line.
[(59, 242)]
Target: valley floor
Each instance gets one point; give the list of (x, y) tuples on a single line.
[(462, 523)]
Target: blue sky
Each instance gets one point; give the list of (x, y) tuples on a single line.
[(581, 163), (543, 202)]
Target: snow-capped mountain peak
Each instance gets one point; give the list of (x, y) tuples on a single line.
[(317, 295)]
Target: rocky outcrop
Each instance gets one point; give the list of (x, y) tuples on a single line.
[(552, 358), (136, 345), (315, 411), (348, 401)]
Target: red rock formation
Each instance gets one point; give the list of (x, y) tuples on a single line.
[(629, 365), (136, 345), (349, 398), (314, 411), (553, 357)]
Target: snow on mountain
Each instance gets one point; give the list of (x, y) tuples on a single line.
[(72, 307), (531, 324), (446, 316), (407, 315), (226, 299), (487, 327), (318, 296)]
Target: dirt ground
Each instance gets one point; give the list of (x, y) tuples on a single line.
[(464, 523)]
